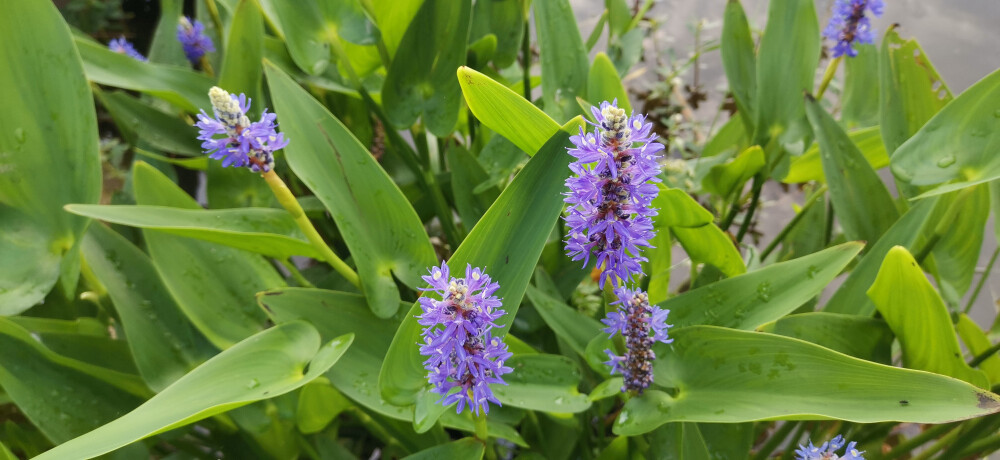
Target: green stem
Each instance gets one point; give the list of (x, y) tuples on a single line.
[(775, 440), (481, 427), (813, 199), (912, 443), (206, 66), (828, 231), (758, 184), (213, 12), (296, 274), (443, 211), (526, 61), (982, 446), (831, 69), (945, 441), (291, 205), (734, 209), (982, 280), (984, 355)]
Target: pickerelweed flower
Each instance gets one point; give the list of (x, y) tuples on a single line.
[(827, 451), (122, 46), (243, 143), (191, 34), (611, 191), (463, 354), (641, 325), (849, 25)]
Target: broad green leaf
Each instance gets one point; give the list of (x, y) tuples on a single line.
[(606, 389), (678, 441), (603, 83), (728, 441), (566, 322), (860, 99), (300, 25), (910, 89), (165, 49), (48, 154), (200, 275), (659, 266), (617, 448), (739, 60), (542, 382), (62, 397), (522, 218), (466, 174), (183, 88), (420, 81), (319, 403), (860, 200), (958, 144), (164, 344), (143, 122), (763, 295), (465, 448), (977, 342), (725, 179), (678, 209), (809, 167), (505, 20), (268, 364), (919, 318), (563, 57), (506, 112), (726, 376), (5, 453), (956, 253), (378, 224), (851, 298), (236, 188), (709, 244), (786, 67), (348, 20), (731, 137), (857, 336), (266, 231), (392, 18)]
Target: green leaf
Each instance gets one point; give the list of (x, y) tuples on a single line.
[(724, 179), (466, 174), (420, 80), (522, 218), (678, 209), (977, 342), (763, 295), (267, 231), (956, 253), (466, 448), (566, 322), (199, 275), (181, 87), (506, 112), (505, 20), (165, 48), (378, 224), (164, 344), (919, 318), (542, 383), (677, 441), (392, 18), (809, 167), (300, 25), (857, 336), (49, 154), (241, 71), (603, 83), (319, 403), (726, 376), (739, 61), (732, 136), (563, 57), (958, 144), (910, 89), (861, 95), (709, 244), (268, 364), (860, 200), (143, 122)]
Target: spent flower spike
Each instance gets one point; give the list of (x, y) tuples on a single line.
[(191, 34), (828, 450), (122, 46), (610, 192), (636, 320), (242, 143), (462, 353), (849, 25)]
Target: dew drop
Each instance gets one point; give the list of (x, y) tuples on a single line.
[(254, 383), (946, 161)]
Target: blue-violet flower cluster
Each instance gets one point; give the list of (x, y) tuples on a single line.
[(243, 143), (827, 451), (191, 34), (642, 325), (461, 351), (610, 194), (122, 46), (849, 25)]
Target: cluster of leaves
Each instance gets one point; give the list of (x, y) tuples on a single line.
[(139, 323)]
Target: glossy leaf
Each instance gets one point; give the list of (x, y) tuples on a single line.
[(857, 336), (725, 376), (739, 60), (563, 57), (958, 250), (266, 231), (49, 154), (542, 382), (725, 179), (919, 318), (506, 112), (763, 295), (676, 441), (378, 224), (809, 166), (319, 403), (164, 344), (678, 209), (977, 342), (268, 364), (603, 84), (709, 244)]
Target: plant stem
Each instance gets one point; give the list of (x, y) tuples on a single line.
[(734, 209), (526, 60), (984, 355), (831, 69), (206, 66), (813, 199), (213, 12), (982, 280), (291, 205), (775, 440), (481, 427), (982, 446), (296, 274), (918, 440), (758, 184), (945, 441)]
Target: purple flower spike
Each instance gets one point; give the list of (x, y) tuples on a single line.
[(243, 143), (462, 354), (849, 25), (827, 451), (191, 34), (122, 46), (610, 193), (635, 319)]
